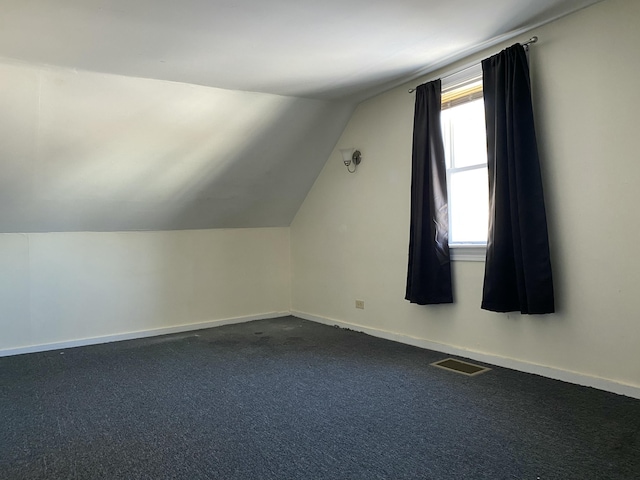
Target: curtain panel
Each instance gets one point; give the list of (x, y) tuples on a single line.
[(429, 270), (518, 266)]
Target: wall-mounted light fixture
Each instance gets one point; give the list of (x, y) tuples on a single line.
[(349, 156)]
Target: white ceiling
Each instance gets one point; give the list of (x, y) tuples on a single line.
[(108, 118), (321, 49)]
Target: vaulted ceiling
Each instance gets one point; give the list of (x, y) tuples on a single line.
[(172, 114)]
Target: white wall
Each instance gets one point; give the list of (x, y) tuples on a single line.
[(82, 151), (94, 154), (56, 288), (350, 237)]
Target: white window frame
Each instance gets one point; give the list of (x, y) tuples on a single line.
[(470, 252)]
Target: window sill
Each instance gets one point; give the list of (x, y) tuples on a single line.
[(468, 252)]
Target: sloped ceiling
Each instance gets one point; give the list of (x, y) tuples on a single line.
[(174, 114)]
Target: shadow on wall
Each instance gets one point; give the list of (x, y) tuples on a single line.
[(96, 152)]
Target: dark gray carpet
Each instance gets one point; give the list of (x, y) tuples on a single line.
[(290, 399)]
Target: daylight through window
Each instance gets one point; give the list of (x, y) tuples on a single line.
[(463, 128)]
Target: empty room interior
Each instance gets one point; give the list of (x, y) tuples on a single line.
[(195, 284)]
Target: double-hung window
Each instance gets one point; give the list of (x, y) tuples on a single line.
[(463, 128)]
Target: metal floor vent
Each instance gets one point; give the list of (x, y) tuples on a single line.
[(460, 367)]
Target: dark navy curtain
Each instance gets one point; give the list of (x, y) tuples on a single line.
[(518, 267), (429, 272)]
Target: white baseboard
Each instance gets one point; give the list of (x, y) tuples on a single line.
[(549, 372), (137, 334)]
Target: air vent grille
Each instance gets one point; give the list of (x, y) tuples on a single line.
[(460, 367)]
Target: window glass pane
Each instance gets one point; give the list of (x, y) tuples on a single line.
[(467, 135), (469, 206)]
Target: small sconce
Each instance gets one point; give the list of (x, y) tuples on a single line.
[(349, 156)]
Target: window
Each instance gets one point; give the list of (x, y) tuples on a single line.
[(463, 128)]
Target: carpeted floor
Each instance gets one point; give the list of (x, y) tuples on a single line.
[(290, 399)]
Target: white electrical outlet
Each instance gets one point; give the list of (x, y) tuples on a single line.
[(360, 304)]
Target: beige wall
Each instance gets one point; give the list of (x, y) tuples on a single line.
[(85, 151), (62, 287), (350, 237)]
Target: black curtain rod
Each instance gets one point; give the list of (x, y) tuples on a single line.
[(526, 45)]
